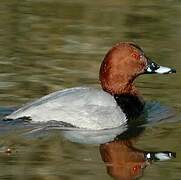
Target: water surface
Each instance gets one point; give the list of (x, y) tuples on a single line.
[(50, 45)]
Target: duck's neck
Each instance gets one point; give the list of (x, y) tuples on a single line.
[(126, 88), (131, 104), (118, 84), (129, 100), (125, 94)]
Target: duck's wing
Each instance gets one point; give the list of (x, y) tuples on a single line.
[(82, 107)]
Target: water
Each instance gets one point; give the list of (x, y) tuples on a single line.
[(50, 45)]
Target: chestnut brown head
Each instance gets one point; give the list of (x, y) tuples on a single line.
[(122, 64)]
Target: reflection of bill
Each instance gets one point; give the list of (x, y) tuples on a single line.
[(125, 162)]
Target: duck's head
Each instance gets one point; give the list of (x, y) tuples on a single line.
[(122, 64)]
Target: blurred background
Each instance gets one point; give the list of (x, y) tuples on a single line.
[(48, 45)]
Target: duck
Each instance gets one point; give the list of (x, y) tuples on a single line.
[(111, 106)]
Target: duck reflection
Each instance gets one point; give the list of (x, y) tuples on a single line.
[(124, 161)]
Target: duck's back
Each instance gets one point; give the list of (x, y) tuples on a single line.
[(81, 107)]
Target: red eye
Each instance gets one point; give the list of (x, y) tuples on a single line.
[(136, 168), (136, 56)]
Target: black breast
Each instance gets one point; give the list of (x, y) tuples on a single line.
[(131, 105)]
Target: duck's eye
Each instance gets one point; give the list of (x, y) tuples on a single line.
[(136, 56), (141, 56), (136, 169)]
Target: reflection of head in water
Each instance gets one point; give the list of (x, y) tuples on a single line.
[(123, 160)]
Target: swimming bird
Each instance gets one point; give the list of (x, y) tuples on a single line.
[(95, 109)]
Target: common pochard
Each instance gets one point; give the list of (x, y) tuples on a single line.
[(94, 109)]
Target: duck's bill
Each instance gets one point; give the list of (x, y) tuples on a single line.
[(152, 67), (160, 156)]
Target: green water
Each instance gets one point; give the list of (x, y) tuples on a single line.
[(50, 45)]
